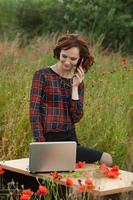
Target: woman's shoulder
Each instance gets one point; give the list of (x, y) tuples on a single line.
[(44, 71), (41, 74)]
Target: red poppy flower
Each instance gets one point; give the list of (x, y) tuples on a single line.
[(24, 197), (111, 173), (69, 182), (42, 190), (80, 164), (115, 168), (89, 184), (1, 171), (103, 168), (55, 175), (27, 192), (114, 172)]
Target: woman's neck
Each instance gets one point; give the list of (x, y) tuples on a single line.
[(65, 74)]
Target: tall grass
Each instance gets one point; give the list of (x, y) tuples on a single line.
[(108, 110)]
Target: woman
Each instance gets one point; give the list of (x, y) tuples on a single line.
[(57, 94)]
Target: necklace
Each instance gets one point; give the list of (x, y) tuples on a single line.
[(64, 84)]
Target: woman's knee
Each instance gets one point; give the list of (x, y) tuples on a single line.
[(107, 159)]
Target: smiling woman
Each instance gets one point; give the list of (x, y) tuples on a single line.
[(57, 97), (69, 58)]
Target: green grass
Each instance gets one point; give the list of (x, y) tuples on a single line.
[(108, 110)]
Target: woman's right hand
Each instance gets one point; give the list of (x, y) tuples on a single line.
[(78, 77)]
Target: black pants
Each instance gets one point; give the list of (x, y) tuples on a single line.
[(83, 154)]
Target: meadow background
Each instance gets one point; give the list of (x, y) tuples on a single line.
[(28, 31)]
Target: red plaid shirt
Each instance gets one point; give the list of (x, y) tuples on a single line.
[(51, 106)]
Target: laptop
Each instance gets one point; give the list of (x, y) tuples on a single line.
[(52, 156)]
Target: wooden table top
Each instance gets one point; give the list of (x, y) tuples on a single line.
[(103, 185)]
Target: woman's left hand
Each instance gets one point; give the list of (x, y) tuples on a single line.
[(78, 77)]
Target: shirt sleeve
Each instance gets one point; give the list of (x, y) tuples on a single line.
[(35, 106), (76, 106)]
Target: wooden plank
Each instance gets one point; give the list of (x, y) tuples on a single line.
[(103, 185)]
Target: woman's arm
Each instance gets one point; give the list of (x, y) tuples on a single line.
[(76, 105), (35, 106)]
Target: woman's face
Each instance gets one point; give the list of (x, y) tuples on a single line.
[(69, 58)]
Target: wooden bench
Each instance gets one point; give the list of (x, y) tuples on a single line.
[(103, 185)]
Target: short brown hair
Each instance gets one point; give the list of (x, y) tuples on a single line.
[(67, 41)]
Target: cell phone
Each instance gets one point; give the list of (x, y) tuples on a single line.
[(79, 63)]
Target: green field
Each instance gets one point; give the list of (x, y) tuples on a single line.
[(108, 111)]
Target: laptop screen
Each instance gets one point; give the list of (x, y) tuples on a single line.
[(52, 156)]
